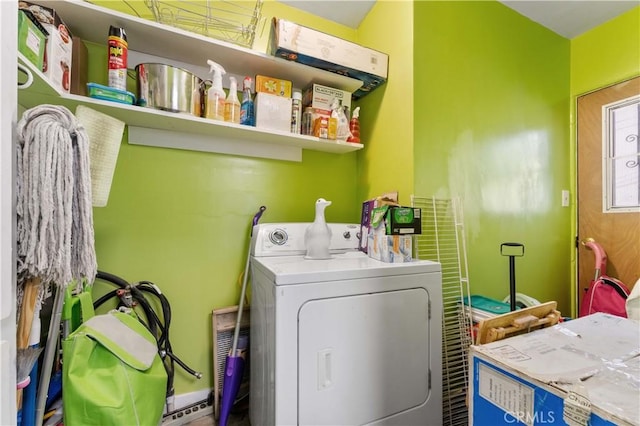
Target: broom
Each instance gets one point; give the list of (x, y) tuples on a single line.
[(26, 358)]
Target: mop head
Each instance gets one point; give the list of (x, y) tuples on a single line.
[(55, 237)]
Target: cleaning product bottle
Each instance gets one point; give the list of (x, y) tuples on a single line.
[(354, 126), (317, 236), (332, 128), (342, 126), (215, 95), (296, 111), (247, 114), (232, 104)]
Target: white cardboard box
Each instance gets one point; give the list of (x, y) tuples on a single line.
[(273, 112), (320, 97), (295, 42), (587, 370)]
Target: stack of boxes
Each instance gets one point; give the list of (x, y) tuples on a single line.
[(320, 98), (56, 61), (386, 231), (273, 103)]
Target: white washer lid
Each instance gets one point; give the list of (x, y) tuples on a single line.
[(287, 270)]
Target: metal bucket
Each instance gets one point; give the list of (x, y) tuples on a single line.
[(169, 88)]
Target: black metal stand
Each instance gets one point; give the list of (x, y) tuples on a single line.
[(512, 268)]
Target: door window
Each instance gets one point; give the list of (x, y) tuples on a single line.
[(621, 180)]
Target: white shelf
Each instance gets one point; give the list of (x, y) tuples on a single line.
[(153, 127), (91, 23)]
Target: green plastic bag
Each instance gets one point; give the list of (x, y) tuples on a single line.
[(112, 373)]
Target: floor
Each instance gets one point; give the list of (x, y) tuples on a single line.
[(238, 417)]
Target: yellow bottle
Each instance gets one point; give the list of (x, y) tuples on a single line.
[(215, 95), (232, 104)]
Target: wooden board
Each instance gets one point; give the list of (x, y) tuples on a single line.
[(517, 322)]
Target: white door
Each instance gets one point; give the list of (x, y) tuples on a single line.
[(362, 358), (8, 113)]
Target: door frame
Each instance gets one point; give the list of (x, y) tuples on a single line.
[(575, 294)]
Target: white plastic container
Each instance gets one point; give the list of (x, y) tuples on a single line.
[(296, 111)]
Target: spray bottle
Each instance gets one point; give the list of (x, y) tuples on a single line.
[(232, 104), (247, 115), (215, 95), (354, 126)]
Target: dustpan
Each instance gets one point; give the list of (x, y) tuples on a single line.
[(105, 136)]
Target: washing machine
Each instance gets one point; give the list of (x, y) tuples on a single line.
[(342, 341)]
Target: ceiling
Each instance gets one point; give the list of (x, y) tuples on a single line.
[(568, 18)]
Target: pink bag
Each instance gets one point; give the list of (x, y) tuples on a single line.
[(607, 295)]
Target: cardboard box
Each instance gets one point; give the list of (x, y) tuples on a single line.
[(585, 369), (79, 67), (58, 51), (365, 224), (273, 112), (389, 248), (397, 220), (319, 50), (321, 97), (273, 86), (32, 38)]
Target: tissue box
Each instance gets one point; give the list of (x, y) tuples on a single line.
[(273, 112), (32, 38), (389, 248), (398, 220), (59, 46), (586, 370), (319, 50)]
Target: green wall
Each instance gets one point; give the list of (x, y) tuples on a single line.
[(491, 92), (477, 106), (601, 57), (386, 162), (181, 218)]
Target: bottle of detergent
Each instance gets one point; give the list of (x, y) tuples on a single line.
[(354, 126), (247, 113), (232, 104), (215, 95)]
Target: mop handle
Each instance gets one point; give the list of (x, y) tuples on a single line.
[(50, 353), (236, 332)]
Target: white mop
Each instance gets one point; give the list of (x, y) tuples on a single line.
[(55, 237)]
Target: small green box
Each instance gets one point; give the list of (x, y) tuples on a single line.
[(397, 220), (32, 38)]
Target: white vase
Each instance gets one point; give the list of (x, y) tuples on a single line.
[(317, 237)]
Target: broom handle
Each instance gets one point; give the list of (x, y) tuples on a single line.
[(236, 332), (49, 355)]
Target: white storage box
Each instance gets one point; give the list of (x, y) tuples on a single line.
[(320, 97), (586, 370), (319, 50), (273, 112)]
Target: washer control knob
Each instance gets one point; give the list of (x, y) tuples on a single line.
[(278, 237), (346, 235)]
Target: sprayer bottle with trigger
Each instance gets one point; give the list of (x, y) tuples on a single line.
[(232, 104), (215, 95)]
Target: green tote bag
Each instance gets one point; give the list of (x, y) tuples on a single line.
[(112, 373)]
